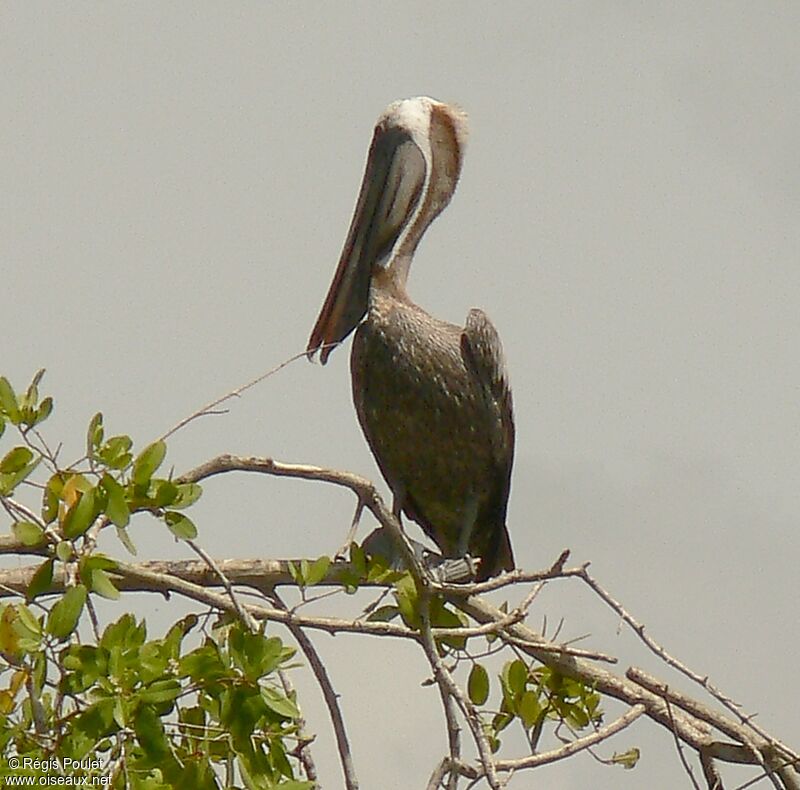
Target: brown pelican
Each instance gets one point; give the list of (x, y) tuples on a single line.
[(432, 398)]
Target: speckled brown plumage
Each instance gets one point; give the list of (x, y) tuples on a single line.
[(434, 404)]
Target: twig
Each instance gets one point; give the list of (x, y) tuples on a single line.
[(679, 747), (444, 768), (562, 649), (451, 719), (321, 674), (472, 771), (208, 409), (244, 616), (11, 506), (303, 750), (555, 571), (573, 747), (448, 689)]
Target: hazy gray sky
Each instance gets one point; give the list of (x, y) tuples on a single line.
[(178, 180)]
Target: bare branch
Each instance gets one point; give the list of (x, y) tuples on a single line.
[(321, 674), (692, 730), (701, 680), (244, 616), (679, 748), (450, 690), (364, 489), (697, 709)]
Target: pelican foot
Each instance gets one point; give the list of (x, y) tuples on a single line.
[(444, 570), (452, 570)]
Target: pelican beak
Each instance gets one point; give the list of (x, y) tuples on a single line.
[(394, 179)]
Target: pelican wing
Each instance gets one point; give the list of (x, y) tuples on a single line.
[(482, 353)]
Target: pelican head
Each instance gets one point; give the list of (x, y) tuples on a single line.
[(411, 173)]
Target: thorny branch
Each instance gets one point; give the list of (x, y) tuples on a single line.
[(701, 680), (694, 724)]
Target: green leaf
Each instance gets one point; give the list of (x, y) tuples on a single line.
[(32, 394), (114, 453), (296, 574), (203, 665), (94, 434), (147, 462), (530, 708), (8, 401), (279, 703), (383, 614), (30, 623), (15, 460), (51, 499), (517, 677), (358, 559), (501, 720), (443, 617), (10, 480), (100, 582), (160, 691), (123, 634), (180, 526), (164, 493), (478, 684), (317, 570), (407, 597), (119, 713), (125, 540), (44, 411), (117, 508), (627, 759), (64, 616), (150, 734), (254, 654), (64, 550), (81, 515), (28, 533), (41, 580), (188, 494), (279, 759)]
